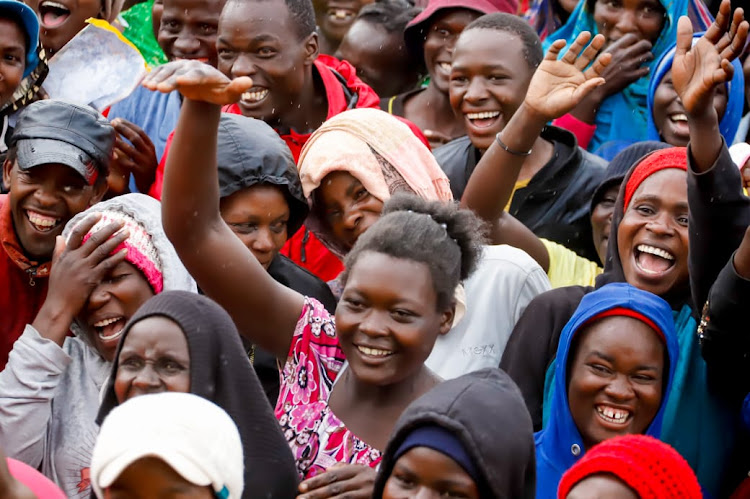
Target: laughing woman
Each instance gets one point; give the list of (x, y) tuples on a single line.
[(51, 384)]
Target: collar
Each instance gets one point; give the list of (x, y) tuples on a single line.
[(12, 246)]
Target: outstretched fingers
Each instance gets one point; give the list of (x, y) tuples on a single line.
[(600, 64), (571, 55), (75, 239), (553, 51), (684, 37), (720, 25), (590, 53)]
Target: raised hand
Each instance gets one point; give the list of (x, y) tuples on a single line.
[(135, 153), (197, 81), (698, 69), (558, 85)]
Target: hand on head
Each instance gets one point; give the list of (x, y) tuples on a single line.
[(698, 69), (197, 81), (558, 85)]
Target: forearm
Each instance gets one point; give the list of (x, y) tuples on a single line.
[(53, 321), (508, 230), (586, 110)]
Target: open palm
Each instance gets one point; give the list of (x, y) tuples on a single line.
[(558, 85), (197, 81)]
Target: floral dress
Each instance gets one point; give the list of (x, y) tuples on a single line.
[(317, 437)]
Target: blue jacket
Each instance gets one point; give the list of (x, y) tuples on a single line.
[(559, 445)]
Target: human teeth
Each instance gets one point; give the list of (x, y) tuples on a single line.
[(42, 221), (643, 248), (613, 415), (445, 67), (112, 336), (53, 5), (255, 95), (106, 322), (678, 117), (341, 14), (483, 116), (373, 351)]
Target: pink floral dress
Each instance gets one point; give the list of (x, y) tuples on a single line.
[(317, 437)]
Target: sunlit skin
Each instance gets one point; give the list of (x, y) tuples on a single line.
[(154, 358), (347, 207), (59, 26), (670, 116), (613, 370), (601, 486), (657, 217), (118, 296), (616, 18), (258, 215), (188, 28), (601, 220), (54, 191), (152, 478), (426, 473), (12, 58)]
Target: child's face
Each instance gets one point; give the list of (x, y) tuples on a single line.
[(440, 42), (188, 28), (488, 85), (670, 116), (601, 220), (335, 17), (423, 472), (258, 39), (61, 20), (616, 378), (258, 215), (13, 60), (152, 477), (42, 200)]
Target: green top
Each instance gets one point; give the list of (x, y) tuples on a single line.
[(137, 27)]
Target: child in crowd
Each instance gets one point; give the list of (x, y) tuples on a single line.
[(636, 466), (488, 87), (156, 445), (56, 167), (184, 342), (334, 20), (116, 257), (440, 444)]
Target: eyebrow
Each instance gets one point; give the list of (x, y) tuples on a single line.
[(352, 186), (656, 199), (602, 355)]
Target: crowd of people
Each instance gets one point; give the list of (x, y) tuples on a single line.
[(378, 249)]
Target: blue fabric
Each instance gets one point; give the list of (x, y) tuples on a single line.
[(155, 112), (442, 440), (735, 95), (30, 26), (622, 117), (554, 443)]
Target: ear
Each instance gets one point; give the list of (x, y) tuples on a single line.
[(446, 319), (7, 168), (312, 49), (100, 189)]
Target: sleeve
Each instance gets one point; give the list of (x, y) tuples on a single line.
[(27, 386), (582, 130), (722, 331), (719, 215), (567, 268), (535, 284)]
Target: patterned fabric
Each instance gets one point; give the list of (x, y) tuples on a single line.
[(317, 437), (138, 28)]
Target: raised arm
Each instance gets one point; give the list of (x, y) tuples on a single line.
[(263, 310), (555, 88)]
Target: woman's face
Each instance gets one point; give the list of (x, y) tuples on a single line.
[(424, 472), (670, 116), (440, 41), (112, 303), (154, 358), (616, 18), (258, 215), (387, 320), (61, 20), (347, 207), (601, 220), (652, 237), (616, 378)]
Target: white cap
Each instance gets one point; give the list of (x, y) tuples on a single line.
[(194, 436)]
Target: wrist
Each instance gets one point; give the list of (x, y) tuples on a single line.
[(526, 116), (53, 320)]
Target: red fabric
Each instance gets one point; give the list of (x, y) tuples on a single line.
[(621, 311), (674, 157), (582, 130), (651, 468), (482, 6), (19, 299), (39, 484)]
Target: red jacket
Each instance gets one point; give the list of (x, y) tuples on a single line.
[(24, 284)]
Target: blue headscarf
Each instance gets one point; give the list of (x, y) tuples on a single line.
[(559, 445), (622, 117), (735, 95)]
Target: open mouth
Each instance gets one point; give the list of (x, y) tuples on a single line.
[(255, 96), (680, 123), (41, 222), (109, 329), (340, 15), (652, 260), (483, 120), (53, 14), (182, 58), (374, 352), (613, 415)]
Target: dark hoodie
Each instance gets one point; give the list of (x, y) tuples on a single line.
[(485, 411), (559, 445), (249, 152), (220, 372), (719, 214)]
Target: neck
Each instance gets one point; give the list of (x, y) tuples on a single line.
[(396, 395), (310, 109), (436, 104)]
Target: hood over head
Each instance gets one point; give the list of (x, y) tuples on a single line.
[(485, 411), (560, 445), (250, 152)]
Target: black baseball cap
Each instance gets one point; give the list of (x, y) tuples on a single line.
[(55, 131)]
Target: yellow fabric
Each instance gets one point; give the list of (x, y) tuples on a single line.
[(519, 185), (566, 268)]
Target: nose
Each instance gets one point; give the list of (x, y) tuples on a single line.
[(98, 298), (46, 194), (477, 91), (352, 218), (373, 324), (147, 380), (627, 21), (186, 43), (661, 225), (243, 66), (426, 493), (619, 388), (263, 242), (450, 44)]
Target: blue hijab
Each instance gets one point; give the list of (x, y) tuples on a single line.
[(559, 445), (729, 123), (622, 117)]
